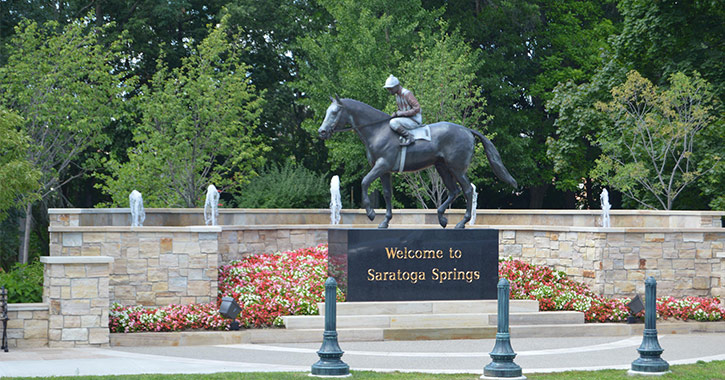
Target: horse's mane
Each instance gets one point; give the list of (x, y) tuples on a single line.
[(352, 103)]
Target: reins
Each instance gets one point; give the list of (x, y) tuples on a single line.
[(362, 126)]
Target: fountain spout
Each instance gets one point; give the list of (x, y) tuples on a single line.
[(335, 200), (211, 209), (604, 197), (138, 215)]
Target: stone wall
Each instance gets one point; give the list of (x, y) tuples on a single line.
[(237, 242), (76, 290), (615, 262), (285, 217), (153, 266), (27, 325)]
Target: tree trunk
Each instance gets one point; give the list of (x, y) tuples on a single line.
[(23, 254), (536, 196)]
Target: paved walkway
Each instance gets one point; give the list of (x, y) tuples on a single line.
[(451, 356)]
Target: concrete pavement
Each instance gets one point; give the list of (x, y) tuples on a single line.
[(447, 356)]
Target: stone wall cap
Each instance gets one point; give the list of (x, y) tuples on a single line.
[(31, 306), (134, 229), (76, 259), (399, 211)]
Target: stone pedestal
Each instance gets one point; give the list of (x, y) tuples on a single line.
[(76, 289)]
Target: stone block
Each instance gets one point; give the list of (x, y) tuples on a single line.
[(693, 237), (208, 246), (168, 300), (624, 287), (160, 287), (701, 282), (98, 270), (74, 270), (146, 298), (90, 321), (158, 274), (148, 248), (72, 239), (79, 334), (703, 253), (98, 336), (177, 284), (588, 274), (136, 266), (94, 237), (75, 307), (166, 245), (198, 261), (654, 237), (198, 288), (635, 276), (188, 247), (111, 249), (84, 288), (208, 236), (525, 237), (505, 235), (55, 322), (71, 321)]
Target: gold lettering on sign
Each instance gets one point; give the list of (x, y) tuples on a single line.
[(413, 254), (400, 275), (454, 275)]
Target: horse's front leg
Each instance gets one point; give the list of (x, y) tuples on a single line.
[(386, 181), (378, 169)]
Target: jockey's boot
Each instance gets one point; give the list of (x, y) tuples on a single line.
[(405, 137)]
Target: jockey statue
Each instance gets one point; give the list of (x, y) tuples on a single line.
[(408, 115)]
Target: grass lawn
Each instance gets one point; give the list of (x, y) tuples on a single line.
[(699, 371)]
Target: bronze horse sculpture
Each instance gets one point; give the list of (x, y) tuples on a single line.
[(450, 150)]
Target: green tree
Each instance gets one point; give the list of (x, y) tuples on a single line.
[(366, 42), (18, 178), (442, 71), (61, 81), (288, 186), (198, 129), (526, 48), (650, 149)]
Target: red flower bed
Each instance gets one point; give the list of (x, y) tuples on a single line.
[(555, 291), (273, 285), (270, 286)]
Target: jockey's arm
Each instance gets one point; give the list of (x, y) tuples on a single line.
[(410, 98)]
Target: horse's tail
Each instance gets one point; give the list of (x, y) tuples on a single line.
[(494, 158)]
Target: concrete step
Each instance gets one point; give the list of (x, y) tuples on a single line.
[(429, 307), (275, 335), (434, 320)]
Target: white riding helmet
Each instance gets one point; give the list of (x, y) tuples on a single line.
[(391, 82)]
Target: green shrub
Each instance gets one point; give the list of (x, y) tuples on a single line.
[(24, 282), (288, 186)]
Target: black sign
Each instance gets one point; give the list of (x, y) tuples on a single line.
[(413, 265)]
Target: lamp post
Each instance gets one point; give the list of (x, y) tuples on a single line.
[(503, 366), (650, 362), (330, 364)]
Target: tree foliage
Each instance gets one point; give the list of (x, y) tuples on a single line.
[(62, 82), (650, 150), (442, 74), (287, 186), (18, 178), (197, 129)]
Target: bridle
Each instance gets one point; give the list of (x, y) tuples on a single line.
[(352, 121)]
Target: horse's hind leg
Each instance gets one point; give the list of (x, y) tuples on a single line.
[(468, 193), (453, 191), (386, 181)]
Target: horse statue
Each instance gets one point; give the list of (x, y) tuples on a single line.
[(450, 150)]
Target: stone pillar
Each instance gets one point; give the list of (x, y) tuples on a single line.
[(76, 289)]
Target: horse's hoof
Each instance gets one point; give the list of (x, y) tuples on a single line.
[(461, 225), (443, 221), (371, 214), (384, 224)]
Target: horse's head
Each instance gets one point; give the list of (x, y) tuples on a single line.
[(336, 117)]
